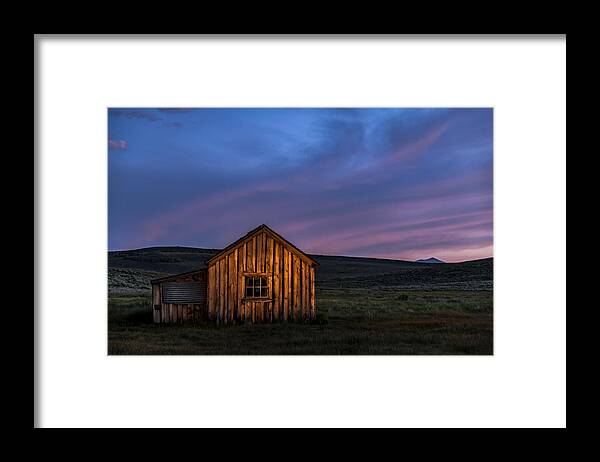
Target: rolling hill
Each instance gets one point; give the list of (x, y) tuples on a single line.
[(130, 271)]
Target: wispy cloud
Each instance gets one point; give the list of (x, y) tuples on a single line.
[(148, 115), (117, 145)]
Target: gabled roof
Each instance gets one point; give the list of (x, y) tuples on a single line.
[(254, 232), (174, 276)]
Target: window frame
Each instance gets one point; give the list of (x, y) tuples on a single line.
[(266, 277), (164, 290)]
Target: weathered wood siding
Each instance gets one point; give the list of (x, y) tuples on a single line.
[(181, 312), (290, 276)]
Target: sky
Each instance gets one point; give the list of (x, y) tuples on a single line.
[(370, 182)]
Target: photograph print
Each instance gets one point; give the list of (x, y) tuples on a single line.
[(300, 231)]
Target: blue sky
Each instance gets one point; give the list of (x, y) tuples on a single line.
[(389, 183)]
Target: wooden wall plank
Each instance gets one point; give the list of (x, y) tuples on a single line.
[(241, 282), (216, 289), (155, 294), (301, 290), (222, 287), (313, 301), (291, 287), (307, 292), (285, 275), (276, 282), (155, 302), (269, 270), (256, 249), (233, 286), (251, 249), (260, 262), (304, 285), (268, 311), (209, 285), (264, 247), (226, 272), (296, 286), (287, 291), (258, 308), (281, 281), (211, 292), (268, 255), (227, 260)]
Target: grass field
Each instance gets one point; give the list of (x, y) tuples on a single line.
[(366, 306)]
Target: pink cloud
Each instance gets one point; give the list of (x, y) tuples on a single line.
[(117, 145), (144, 114)]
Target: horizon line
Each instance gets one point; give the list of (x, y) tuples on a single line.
[(308, 253)]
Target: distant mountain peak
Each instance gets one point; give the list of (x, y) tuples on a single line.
[(430, 260)]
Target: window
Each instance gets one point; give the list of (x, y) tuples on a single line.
[(256, 286), (183, 292)]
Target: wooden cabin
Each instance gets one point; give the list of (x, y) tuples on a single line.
[(259, 278)]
